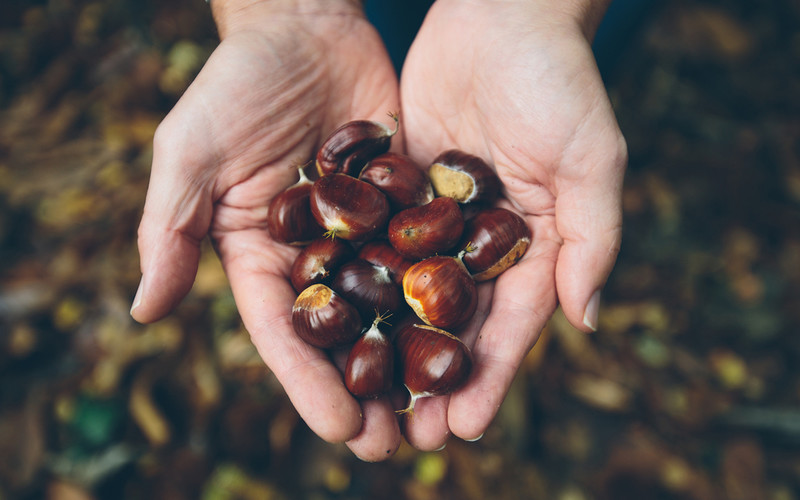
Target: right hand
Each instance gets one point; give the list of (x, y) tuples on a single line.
[(285, 74)]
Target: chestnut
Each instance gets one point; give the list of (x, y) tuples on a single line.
[(497, 239), (316, 262), (348, 208), (403, 182), (464, 177), (367, 287), (382, 253), (348, 148), (289, 218), (433, 362), (441, 291), (369, 371), (433, 228), (324, 319)]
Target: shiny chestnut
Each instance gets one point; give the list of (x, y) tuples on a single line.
[(289, 217), (369, 371), (464, 177), (441, 291), (324, 319), (348, 208), (317, 262), (368, 287), (399, 177), (433, 362), (348, 148), (427, 230), (382, 253), (497, 239)]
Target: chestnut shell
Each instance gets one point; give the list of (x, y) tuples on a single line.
[(368, 287), (382, 253), (289, 217), (318, 261), (348, 208), (441, 292), (497, 238), (369, 371), (433, 361), (324, 319), (427, 230), (348, 148), (403, 182), (464, 177)]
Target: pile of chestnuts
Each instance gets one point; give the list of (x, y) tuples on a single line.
[(382, 236)]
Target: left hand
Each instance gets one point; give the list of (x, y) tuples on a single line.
[(516, 83)]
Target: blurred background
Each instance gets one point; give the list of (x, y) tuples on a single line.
[(690, 389)]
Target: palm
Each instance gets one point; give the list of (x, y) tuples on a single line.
[(488, 81), (263, 102)]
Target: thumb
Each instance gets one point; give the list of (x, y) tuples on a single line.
[(589, 219), (176, 218)]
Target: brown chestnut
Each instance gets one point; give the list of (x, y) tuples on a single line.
[(433, 228), (440, 291), (324, 319), (289, 218), (464, 177), (497, 239), (400, 179), (433, 362), (348, 208), (382, 253), (348, 148), (369, 371), (368, 287), (316, 262)]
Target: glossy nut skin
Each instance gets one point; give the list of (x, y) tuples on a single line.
[(433, 362), (318, 261), (382, 253), (430, 229), (399, 177), (441, 292), (348, 148), (322, 318), (348, 208), (497, 238), (368, 287), (289, 217), (369, 371), (464, 177)]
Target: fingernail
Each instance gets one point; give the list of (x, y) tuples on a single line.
[(442, 447), (592, 311), (474, 439), (137, 299)]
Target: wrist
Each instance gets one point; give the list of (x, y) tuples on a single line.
[(587, 14), (232, 16)]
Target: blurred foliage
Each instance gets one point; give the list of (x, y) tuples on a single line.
[(689, 390)]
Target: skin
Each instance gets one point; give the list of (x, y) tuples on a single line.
[(516, 83), (524, 94)]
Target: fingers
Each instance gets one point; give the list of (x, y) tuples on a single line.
[(523, 301), (380, 435), (426, 427), (264, 299), (589, 220), (176, 217)]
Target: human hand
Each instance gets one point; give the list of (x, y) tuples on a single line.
[(286, 73), (516, 83)]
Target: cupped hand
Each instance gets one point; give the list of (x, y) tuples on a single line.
[(516, 83), (284, 76)]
